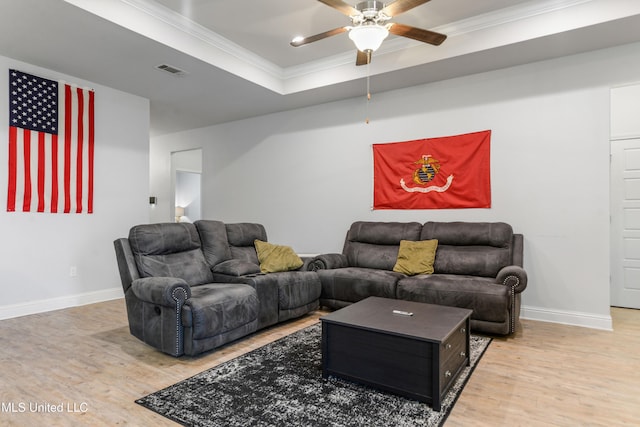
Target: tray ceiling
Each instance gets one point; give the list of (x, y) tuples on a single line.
[(238, 63)]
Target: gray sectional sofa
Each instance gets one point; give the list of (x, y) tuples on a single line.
[(477, 266), (191, 288)]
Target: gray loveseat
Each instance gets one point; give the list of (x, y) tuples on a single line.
[(477, 266), (178, 302), (229, 250)]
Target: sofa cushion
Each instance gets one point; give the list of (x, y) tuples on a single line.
[(297, 288), (215, 245), (244, 233), (235, 267), (222, 242), (495, 234), (416, 257), (169, 250), (241, 237), (375, 244), (275, 258), (383, 233), (355, 283), (217, 308), (483, 261), (488, 300), (475, 249)]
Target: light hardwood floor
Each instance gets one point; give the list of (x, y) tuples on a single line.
[(84, 361)]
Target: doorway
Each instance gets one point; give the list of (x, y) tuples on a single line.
[(186, 179), (625, 223)]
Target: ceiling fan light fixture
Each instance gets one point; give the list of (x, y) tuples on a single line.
[(368, 37)]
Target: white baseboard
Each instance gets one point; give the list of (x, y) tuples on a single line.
[(41, 306), (574, 318)]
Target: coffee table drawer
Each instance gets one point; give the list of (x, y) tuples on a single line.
[(454, 356)]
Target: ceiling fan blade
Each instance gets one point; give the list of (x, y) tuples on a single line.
[(341, 6), (311, 39), (400, 6), (419, 34), (363, 58)]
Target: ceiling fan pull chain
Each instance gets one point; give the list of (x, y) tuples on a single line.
[(368, 87), (368, 100)]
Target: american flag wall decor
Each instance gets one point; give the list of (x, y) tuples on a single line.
[(51, 146)]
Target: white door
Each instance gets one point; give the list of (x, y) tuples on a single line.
[(625, 223)]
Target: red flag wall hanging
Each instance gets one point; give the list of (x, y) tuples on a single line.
[(51, 146), (434, 173)]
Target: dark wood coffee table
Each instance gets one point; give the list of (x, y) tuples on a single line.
[(418, 356)]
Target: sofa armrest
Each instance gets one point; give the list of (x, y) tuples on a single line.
[(308, 263), (126, 263), (513, 276), (236, 268), (330, 261), (164, 291)]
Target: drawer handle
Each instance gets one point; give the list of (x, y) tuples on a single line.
[(463, 330), (448, 346), (447, 374), (463, 354)]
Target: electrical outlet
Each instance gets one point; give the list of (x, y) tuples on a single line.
[(73, 271)]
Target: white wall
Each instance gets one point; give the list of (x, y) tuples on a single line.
[(38, 249), (625, 105), (307, 174)]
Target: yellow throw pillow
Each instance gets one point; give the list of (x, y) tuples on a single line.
[(416, 257), (274, 258)]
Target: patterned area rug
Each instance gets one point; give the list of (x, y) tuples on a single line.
[(281, 384)]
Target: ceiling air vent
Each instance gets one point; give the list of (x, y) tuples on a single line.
[(171, 70)]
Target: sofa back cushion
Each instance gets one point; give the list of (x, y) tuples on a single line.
[(222, 242), (169, 250), (241, 238), (215, 245), (376, 244), (471, 248)]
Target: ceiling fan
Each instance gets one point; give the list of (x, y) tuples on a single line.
[(370, 27)]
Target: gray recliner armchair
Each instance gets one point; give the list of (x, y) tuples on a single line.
[(172, 301)]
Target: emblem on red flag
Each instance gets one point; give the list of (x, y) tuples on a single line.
[(424, 175)]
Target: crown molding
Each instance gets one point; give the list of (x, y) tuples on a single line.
[(156, 21), (477, 23), (508, 15), (215, 40)]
